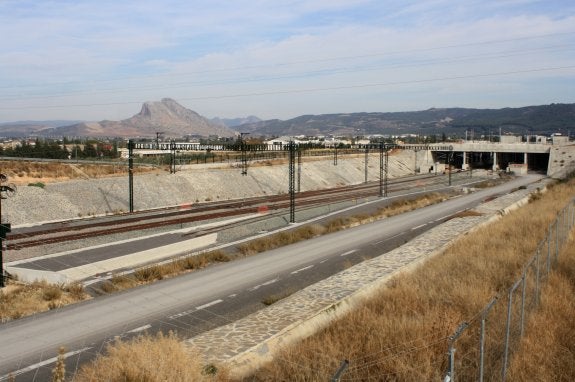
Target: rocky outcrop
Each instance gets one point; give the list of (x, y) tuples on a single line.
[(166, 116)]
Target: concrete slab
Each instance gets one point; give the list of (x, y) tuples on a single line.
[(102, 267)]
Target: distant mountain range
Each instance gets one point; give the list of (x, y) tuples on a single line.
[(167, 117), (175, 121), (233, 122), (545, 119)]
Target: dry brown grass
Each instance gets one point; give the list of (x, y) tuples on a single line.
[(280, 239), (149, 274), (310, 231), (402, 334), (147, 359), (25, 172), (272, 299), (547, 351), (404, 205), (19, 300)]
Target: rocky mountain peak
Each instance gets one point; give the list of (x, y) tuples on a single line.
[(174, 120)]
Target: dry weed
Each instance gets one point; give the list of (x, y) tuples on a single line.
[(547, 352), (147, 358), (24, 172), (19, 300)]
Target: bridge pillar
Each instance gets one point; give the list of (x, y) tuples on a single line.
[(465, 165), (495, 165)]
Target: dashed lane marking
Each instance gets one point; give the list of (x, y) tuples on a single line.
[(349, 252), (141, 328), (208, 304), (263, 284), (302, 269), (190, 311), (419, 226)]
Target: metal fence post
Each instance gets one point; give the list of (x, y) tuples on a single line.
[(482, 337), (450, 377), (549, 249), (556, 238), (336, 377), (508, 330), (538, 258), (523, 301)]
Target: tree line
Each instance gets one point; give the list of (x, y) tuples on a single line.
[(52, 149)]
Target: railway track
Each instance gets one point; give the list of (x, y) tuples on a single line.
[(146, 220)]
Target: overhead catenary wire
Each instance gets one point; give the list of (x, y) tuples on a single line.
[(318, 60), (306, 74), (309, 90)]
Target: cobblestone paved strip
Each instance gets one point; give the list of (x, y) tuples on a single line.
[(252, 340)]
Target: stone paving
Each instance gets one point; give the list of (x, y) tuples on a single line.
[(247, 343)]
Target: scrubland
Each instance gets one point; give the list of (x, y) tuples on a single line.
[(23, 172)]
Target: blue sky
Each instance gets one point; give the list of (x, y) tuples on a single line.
[(95, 60)]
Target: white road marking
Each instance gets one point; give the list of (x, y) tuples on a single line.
[(378, 242), (302, 269), (263, 284), (349, 252), (323, 261), (208, 304), (190, 311), (419, 226), (141, 328), (232, 295), (40, 364)]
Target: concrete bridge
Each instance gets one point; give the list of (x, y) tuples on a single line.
[(556, 159)]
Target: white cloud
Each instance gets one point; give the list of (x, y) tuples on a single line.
[(204, 52)]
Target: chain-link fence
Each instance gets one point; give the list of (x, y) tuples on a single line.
[(491, 336)]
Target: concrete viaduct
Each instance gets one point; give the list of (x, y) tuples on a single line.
[(556, 159)]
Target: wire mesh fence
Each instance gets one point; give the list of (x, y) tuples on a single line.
[(490, 338)]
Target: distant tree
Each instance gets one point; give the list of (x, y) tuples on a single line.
[(90, 151)]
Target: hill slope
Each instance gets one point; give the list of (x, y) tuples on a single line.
[(166, 116), (545, 119)]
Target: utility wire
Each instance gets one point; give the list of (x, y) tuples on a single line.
[(328, 59), (309, 90), (316, 73)]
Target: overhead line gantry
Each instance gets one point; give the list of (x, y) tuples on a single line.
[(294, 150)]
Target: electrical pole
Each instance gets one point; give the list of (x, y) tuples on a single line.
[(291, 147), (366, 160), (131, 174), (244, 152), (449, 160), (5, 191), (172, 157), (298, 169), (335, 154), (383, 166), (158, 133)]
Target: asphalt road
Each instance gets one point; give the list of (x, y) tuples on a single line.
[(216, 295)]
